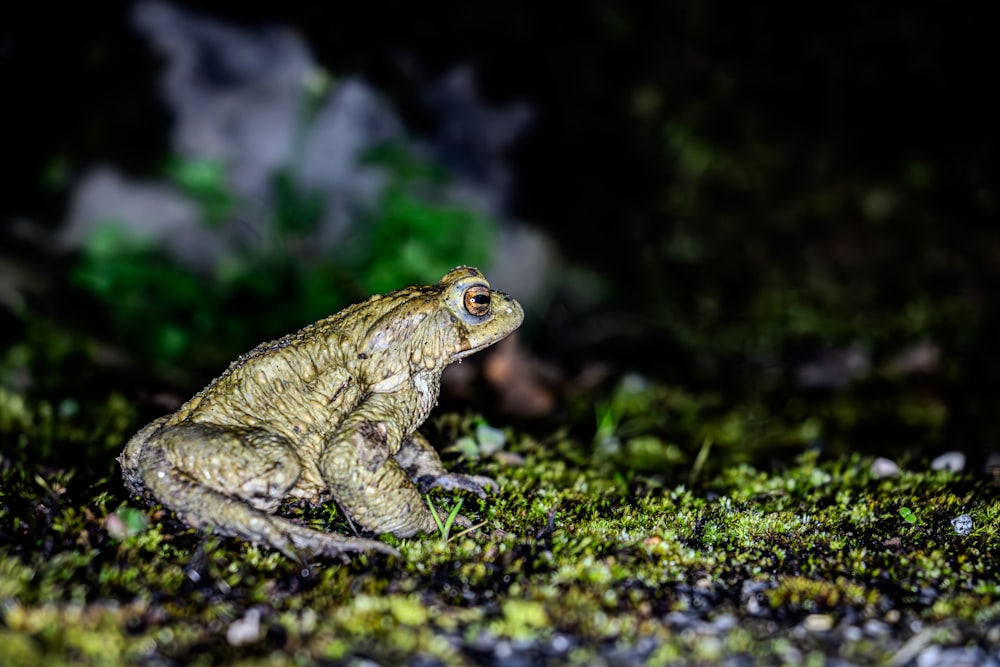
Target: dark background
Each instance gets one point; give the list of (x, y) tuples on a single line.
[(721, 277), (848, 89)]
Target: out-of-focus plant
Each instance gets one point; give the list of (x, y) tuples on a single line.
[(170, 314), (416, 234), (652, 428)]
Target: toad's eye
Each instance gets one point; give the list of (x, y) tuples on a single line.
[(477, 300)]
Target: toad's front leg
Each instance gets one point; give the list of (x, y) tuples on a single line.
[(358, 467)]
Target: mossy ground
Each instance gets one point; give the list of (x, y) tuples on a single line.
[(738, 198), (575, 561)]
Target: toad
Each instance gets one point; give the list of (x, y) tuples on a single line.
[(328, 413)]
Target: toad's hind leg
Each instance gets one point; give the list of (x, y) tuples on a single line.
[(231, 482)]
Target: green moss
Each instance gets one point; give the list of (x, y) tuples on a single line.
[(576, 558)]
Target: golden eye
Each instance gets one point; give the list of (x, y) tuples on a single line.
[(477, 300)]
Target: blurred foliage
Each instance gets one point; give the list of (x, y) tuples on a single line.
[(678, 433), (745, 264), (69, 432), (415, 235), (172, 315)]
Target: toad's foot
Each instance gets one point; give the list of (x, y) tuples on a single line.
[(300, 543), (236, 519), (476, 484), (424, 467)]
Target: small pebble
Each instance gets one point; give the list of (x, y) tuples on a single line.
[(876, 628), (818, 622), (954, 656), (245, 630), (962, 524), (883, 467), (924, 357), (950, 461)]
